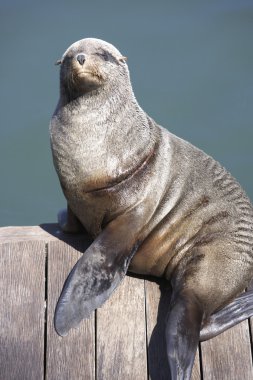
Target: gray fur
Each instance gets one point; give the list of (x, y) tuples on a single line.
[(135, 186)]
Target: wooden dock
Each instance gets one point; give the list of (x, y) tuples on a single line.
[(122, 340)]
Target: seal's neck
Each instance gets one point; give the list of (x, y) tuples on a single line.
[(100, 106), (100, 137), (117, 91)]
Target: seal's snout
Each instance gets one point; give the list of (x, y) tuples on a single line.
[(81, 59)]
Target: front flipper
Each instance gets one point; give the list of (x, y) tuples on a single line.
[(95, 276)]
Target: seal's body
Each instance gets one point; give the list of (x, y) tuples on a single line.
[(153, 203)]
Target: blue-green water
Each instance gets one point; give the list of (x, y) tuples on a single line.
[(191, 65)]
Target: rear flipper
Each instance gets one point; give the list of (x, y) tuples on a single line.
[(182, 334), (238, 310)]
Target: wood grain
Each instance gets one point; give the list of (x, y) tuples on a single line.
[(157, 304), (45, 232), (228, 356), (71, 357), (22, 295), (132, 319), (121, 334), (25, 233)]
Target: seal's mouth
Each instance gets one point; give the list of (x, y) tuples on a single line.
[(85, 74), (81, 80)]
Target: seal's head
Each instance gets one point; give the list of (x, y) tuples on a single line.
[(88, 65)]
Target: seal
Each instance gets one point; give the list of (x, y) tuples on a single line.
[(154, 204)]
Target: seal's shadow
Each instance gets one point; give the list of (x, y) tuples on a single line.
[(157, 360), (79, 242), (158, 367), (157, 357)]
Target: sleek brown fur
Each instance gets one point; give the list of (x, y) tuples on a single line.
[(153, 203)]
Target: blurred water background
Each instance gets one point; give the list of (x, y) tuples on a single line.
[(191, 66)]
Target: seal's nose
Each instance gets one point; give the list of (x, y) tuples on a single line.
[(80, 58)]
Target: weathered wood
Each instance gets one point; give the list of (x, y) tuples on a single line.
[(157, 307), (22, 297), (157, 304), (44, 232), (228, 356), (121, 334), (71, 357), (25, 233)]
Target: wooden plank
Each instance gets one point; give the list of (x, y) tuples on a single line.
[(22, 299), (44, 232), (71, 357), (157, 304), (25, 233), (228, 356), (157, 308), (121, 334)]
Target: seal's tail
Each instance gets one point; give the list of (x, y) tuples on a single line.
[(238, 310)]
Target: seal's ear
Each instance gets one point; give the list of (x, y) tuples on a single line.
[(122, 59), (58, 62)]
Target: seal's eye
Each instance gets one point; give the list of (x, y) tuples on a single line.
[(104, 55)]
